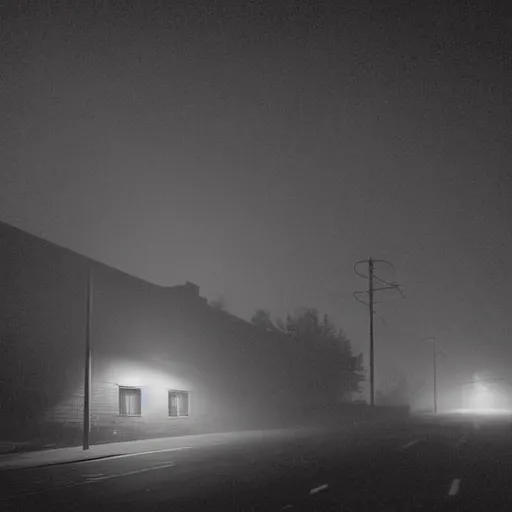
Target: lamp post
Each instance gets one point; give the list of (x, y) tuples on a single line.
[(434, 368), (87, 373)]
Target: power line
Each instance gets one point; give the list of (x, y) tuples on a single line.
[(354, 294)]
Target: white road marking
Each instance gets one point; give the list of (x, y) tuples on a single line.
[(454, 488), (103, 459), (134, 472), (410, 443), (318, 489), (94, 475), (287, 507), (86, 482)]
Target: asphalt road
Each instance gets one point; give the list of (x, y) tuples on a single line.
[(445, 463)]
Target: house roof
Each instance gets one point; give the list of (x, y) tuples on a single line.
[(188, 289)]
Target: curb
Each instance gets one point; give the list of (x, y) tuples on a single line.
[(348, 427)]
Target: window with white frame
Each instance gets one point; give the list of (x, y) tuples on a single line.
[(129, 401), (178, 404)]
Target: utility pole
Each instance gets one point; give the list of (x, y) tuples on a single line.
[(87, 373), (372, 361), (383, 285)]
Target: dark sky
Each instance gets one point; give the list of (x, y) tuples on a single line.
[(260, 148)]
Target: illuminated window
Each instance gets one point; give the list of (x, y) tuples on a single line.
[(129, 401), (178, 404)]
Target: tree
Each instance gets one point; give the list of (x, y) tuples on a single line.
[(331, 351), (280, 325), (324, 352), (262, 319)]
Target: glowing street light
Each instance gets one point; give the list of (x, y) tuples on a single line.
[(486, 396)]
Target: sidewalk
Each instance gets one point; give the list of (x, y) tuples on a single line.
[(77, 454), (55, 456)]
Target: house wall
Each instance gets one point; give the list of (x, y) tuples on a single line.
[(42, 305), (160, 336), (154, 381), (141, 335), (43, 291)]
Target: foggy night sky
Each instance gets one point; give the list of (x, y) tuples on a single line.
[(260, 150)]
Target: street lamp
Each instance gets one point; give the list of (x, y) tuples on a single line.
[(434, 368), (87, 373)]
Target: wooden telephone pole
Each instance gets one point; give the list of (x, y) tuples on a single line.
[(372, 353), (371, 292)]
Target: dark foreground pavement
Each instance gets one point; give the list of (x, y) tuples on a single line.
[(430, 464)]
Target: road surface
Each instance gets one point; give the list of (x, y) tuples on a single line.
[(444, 463)]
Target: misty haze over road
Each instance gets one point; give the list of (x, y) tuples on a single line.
[(431, 463)]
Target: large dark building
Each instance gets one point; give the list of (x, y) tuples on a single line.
[(163, 360)]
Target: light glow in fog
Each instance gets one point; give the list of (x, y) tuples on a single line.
[(485, 397), (483, 412), (482, 398)]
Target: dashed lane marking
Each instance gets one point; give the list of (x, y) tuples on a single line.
[(134, 472), (410, 444), (88, 481), (318, 489), (454, 487), (94, 475)]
